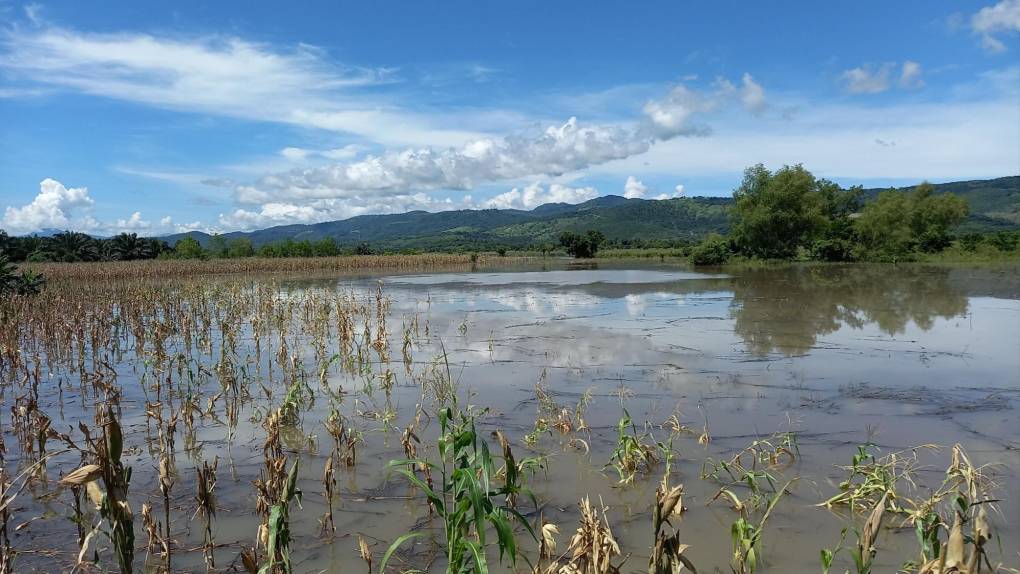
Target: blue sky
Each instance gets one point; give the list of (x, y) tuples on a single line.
[(161, 117)]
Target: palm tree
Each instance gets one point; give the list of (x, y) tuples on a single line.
[(128, 246), (74, 246)]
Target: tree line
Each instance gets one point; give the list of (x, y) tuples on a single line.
[(220, 247), (70, 246), (790, 214)]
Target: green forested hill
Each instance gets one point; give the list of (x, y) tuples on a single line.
[(994, 204)]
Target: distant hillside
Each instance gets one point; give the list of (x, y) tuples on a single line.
[(994, 203)]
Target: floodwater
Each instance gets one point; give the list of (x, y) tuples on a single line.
[(840, 355)]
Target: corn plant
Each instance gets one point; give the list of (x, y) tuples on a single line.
[(469, 500), (278, 527), (631, 453), (668, 553), (746, 538), (592, 548), (205, 497), (864, 553), (966, 488), (114, 503), (328, 526), (870, 478)]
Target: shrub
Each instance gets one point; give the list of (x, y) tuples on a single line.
[(1004, 240), (582, 246), (713, 250), (27, 283)]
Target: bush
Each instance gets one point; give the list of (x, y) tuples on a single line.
[(582, 246), (833, 249), (713, 250), (1004, 240), (27, 283)]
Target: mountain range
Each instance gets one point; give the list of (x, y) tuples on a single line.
[(994, 205)]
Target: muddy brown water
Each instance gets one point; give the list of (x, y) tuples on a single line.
[(842, 355)]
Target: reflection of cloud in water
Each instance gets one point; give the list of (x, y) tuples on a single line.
[(539, 303), (781, 310), (558, 277), (636, 304)]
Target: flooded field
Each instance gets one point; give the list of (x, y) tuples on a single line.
[(765, 393)]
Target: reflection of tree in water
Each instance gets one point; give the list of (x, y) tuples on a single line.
[(786, 310)]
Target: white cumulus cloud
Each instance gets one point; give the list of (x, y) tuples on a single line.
[(633, 188), (270, 214), (678, 191), (555, 150), (55, 206), (534, 195), (285, 213), (134, 223), (674, 114)]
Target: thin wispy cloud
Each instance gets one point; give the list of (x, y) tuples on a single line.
[(875, 79), (225, 76), (910, 75), (995, 22), (868, 79)]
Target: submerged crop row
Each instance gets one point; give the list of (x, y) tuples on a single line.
[(174, 268), (228, 427)]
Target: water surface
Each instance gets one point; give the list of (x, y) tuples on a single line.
[(843, 355)]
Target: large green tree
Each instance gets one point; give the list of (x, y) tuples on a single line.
[(777, 214), (240, 247), (189, 248), (898, 222)]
